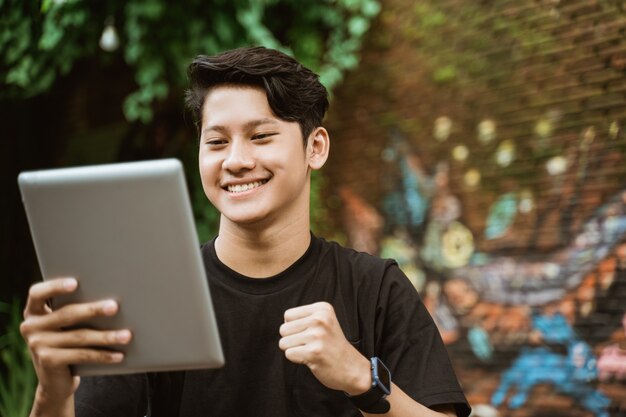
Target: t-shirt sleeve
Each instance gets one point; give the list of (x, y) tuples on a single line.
[(112, 396), (409, 343)]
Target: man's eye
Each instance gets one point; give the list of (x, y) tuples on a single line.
[(215, 142), (259, 136)]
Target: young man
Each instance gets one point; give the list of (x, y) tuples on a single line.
[(307, 326)]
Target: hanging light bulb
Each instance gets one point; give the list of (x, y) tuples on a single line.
[(109, 41)]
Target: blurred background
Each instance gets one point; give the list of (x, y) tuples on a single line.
[(479, 143)]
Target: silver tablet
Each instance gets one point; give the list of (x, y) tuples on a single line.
[(126, 232)]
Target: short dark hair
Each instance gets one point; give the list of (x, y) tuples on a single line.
[(294, 92)]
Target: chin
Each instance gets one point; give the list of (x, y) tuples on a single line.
[(249, 223), (245, 219)]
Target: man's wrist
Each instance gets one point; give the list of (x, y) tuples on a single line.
[(374, 401), (362, 380), (45, 404)]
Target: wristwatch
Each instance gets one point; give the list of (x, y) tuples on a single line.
[(374, 400)]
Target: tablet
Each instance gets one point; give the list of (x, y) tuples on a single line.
[(126, 232)]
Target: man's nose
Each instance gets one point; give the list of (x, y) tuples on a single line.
[(240, 157)]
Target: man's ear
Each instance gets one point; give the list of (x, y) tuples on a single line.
[(317, 148)]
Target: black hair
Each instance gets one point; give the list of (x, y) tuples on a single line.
[(294, 92)]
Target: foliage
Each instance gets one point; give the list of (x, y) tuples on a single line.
[(42, 40), (17, 386)]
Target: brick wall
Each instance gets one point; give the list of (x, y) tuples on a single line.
[(482, 144)]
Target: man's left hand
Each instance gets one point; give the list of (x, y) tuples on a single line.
[(312, 336)]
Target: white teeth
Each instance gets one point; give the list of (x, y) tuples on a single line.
[(239, 188)]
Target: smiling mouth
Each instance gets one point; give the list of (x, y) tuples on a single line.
[(240, 188)]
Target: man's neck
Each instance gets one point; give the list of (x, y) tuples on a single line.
[(262, 252)]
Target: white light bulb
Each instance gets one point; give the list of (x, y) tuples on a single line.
[(109, 41)]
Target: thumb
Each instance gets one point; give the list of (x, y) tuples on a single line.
[(75, 382)]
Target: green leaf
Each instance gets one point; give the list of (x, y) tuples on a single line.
[(20, 75), (45, 5), (352, 5), (79, 17), (148, 72), (160, 89), (159, 39), (132, 52), (21, 40), (152, 9), (131, 107), (333, 18), (358, 25), (370, 8), (51, 36)]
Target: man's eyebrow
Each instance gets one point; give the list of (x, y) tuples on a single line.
[(264, 121), (247, 126), (214, 128)]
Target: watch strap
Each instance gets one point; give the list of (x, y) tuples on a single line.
[(367, 399), (379, 405), (373, 401)]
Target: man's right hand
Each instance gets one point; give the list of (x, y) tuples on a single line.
[(54, 349)]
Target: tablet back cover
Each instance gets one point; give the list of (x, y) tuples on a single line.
[(126, 232)]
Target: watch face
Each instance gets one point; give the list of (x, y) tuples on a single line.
[(381, 375)]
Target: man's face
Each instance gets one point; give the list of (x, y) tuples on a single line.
[(253, 165)]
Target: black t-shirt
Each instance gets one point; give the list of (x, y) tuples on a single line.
[(379, 312)]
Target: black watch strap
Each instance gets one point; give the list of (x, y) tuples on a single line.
[(371, 402)]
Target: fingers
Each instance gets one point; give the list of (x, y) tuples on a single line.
[(312, 336), (299, 354), (306, 310), (298, 339), (310, 325), (46, 333), (72, 314), (293, 327), (40, 292), (56, 342), (299, 319), (54, 348), (52, 358), (80, 338)]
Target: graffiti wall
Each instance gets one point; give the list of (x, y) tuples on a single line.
[(482, 145)]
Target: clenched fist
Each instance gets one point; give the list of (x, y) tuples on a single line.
[(312, 336)]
